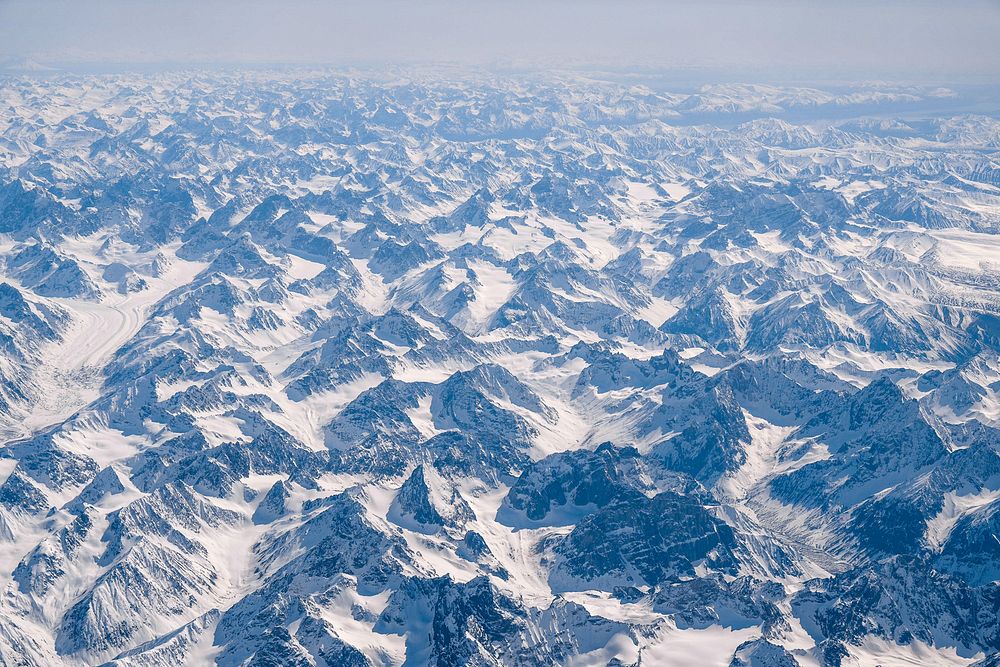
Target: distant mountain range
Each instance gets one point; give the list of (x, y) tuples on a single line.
[(311, 369)]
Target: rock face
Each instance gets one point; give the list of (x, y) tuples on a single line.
[(459, 369), (762, 653), (646, 541), (875, 439), (426, 501), (450, 623), (272, 506), (469, 623), (573, 483), (904, 600)]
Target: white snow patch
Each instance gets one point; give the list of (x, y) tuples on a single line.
[(955, 507)]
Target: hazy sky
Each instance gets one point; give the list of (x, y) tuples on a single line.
[(915, 39)]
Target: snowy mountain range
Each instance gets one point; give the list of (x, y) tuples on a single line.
[(304, 368)]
